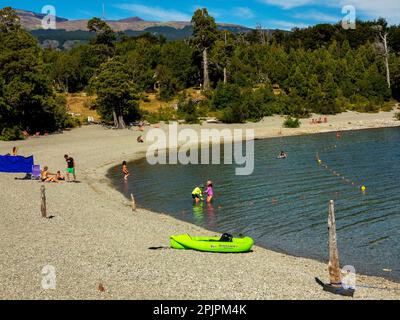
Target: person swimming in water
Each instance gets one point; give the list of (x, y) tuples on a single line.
[(282, 155), (209, 191), (197, 194)]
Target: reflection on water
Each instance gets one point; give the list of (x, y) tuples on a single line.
[(283, 204), (198, 213)]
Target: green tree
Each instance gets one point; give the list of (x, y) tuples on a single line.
[(222, 53), (116, 96), (27, 101), (167, 84), (9, 20), (204, 34), (104, 34), (178, 57)]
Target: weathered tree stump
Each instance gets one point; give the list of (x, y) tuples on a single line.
[(43, 205), (335, 286), (333, 266)]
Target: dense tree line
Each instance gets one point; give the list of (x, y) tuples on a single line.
[(27, 99), (322, 69)]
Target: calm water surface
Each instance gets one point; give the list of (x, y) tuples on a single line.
[(283, 204)]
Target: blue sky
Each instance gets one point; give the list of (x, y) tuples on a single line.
[(269, 13)]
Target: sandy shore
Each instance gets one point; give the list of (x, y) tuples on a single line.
[(95, 238)]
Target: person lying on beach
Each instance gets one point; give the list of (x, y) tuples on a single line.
[(46, 176), (282, 155), (59, 176), (125, 170), (209, 191), (197, 194)]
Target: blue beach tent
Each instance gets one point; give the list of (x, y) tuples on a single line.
[(16, 164)]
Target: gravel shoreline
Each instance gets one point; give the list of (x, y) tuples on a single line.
[(94, 237)]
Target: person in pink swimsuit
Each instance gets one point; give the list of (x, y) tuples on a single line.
[(209, 191)]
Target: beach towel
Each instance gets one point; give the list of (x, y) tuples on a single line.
[(16, 164)]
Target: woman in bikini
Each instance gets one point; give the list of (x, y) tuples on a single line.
[(46, 176)]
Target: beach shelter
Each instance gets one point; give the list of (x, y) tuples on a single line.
[(16, 164)]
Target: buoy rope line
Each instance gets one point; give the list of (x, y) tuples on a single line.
[(324, 165)]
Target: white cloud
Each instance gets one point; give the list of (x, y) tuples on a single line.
[(388, 9), (289, 4), (156, 13), (243, 12), (317, 16), (285, 25)]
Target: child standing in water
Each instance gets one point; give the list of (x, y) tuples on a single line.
[(125, 170), (209, 191), (197, 195)]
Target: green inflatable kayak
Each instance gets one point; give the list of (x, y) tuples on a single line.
[(226, 243)]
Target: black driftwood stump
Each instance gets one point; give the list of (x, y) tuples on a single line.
[(336, 289)]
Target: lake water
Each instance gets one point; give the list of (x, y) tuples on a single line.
[(283, 205)]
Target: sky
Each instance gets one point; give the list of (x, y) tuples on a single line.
[(281, 14)]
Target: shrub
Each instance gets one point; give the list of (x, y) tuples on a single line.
[(163, 114), (291, 122), (226, 96), (13, 133), (235, 114), (397, 116), (187, 109)]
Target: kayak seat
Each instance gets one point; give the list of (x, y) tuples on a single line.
[(226, 237)]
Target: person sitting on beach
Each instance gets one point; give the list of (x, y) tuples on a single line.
[(46, 176), (125, 170), (197, 194), (209, 191), (140, 139), (282, 155), (59, 176)]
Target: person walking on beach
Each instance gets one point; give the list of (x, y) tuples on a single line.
[(70, 167), (14, 151), (125, 170), (209, 191)]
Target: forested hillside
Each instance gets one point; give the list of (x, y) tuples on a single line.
[(322, 69)]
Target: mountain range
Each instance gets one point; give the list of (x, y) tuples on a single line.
[(73, 31), (33, 21)]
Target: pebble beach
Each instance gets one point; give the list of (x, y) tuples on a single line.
[(99, 247)]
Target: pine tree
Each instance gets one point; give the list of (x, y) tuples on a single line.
[(204, 35)]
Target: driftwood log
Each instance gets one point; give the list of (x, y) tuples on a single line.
[(335, 286), (333, 265), (43, 204)]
